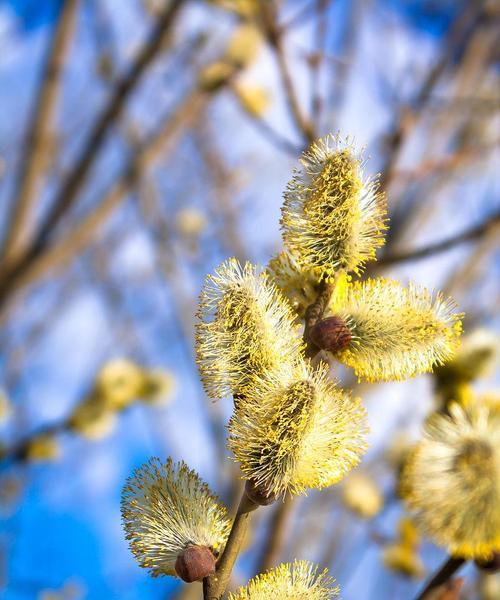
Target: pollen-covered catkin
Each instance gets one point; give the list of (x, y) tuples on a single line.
[(299, 580), (297, 430), (166, 508), (452, 481), (396, 332), (333, 218), (245, 329)]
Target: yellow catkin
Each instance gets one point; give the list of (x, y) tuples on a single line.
[(333, 218), (451, 481), (119, 382), (299, 580), (167, 507), (93, 418), (44, 447), (362, 495), (296, 430), (299, 286), (159, 387), (253, 99), (397, 331), (245, 329)]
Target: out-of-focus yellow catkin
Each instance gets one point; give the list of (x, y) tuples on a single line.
[(451, 481), (215, 75), (5, 407), (475, 358), (489, 586), (299, 580), (243, 46), (244, 8), (253, 99), (333, 218), (166, 507), (44, 447), (119, 382), (93, 418), (297, 285), (190, 222), (245, 329), (362, 495), (403, 559), (402, 556), (159, 387), (296, 430), (397, 332)]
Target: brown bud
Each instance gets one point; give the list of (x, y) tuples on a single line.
[(490, 566), (258, 494), (331, 334), (195, 563)]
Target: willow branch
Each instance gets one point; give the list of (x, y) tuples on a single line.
[(275, 39), (64, 250), (447, 570), (466, 236), (38, 137), (215, 585), (73, 183)]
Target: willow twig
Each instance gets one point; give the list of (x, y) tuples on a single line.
[(465, 236), (73, 183), (215, 585), (447, 570), (38, 137)]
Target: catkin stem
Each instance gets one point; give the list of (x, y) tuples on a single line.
[(215, 585), (446, 571)]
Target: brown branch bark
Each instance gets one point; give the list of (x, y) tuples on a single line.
[(215, 585), (73, 183), (38, 138), (447, 570), (65, 249), (274, 36), (466, 236)]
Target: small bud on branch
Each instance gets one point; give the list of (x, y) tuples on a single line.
[(331, 334), (195, 563)]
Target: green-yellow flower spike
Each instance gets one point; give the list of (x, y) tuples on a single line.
[(452, 481), (333, 218), (246, 328), (166, 511), (299, 580), (296, 430), (395, 332)]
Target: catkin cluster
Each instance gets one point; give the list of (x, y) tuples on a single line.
[(293, 428)]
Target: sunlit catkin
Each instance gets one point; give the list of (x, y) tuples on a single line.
[(296, 430), (333, 218), (396, 332), (166, 511), (452, 481), (298, 285), (245, 329), (299, 580)]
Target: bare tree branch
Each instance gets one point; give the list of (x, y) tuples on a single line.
[(38, 138)]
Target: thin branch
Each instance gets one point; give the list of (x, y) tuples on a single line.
[(466, 236), (274, 37), (38, 138), (65, 249), (73, 183), (215, 585), (447, 570)]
